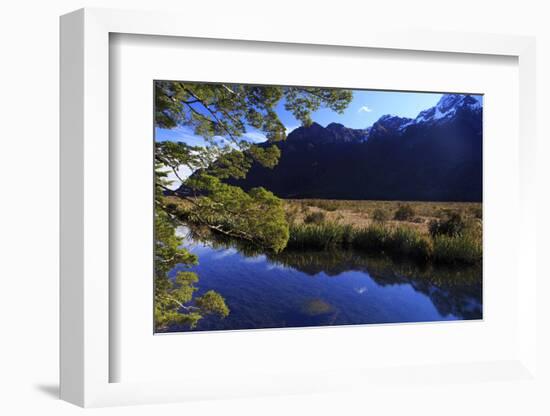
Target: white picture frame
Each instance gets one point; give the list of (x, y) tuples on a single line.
[(85, 210)]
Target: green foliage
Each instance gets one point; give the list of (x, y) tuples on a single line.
[(221, 114), (319, 236), (226, 109), (372, 239), (212, 302), (316, 217), (257, 216), (174, 302), (377, 239), (175, 154), (267, 157), (233, 164), (400, 242), (167, 246), (453, 225), (457, 240), (462, 249), (408, 243), (301, 102), (404, 212)]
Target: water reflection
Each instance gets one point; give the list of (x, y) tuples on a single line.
[(453, 291), (297, 288)]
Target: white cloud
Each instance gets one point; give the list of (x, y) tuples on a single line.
[(361, 290), (365, 109), (255, 136), (224, 253), (258, 259)]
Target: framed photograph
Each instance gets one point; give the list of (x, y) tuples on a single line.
[(291, 211)]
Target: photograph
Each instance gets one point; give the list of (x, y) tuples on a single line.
[(296, 206)]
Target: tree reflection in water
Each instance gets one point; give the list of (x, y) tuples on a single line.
[(453, 290)]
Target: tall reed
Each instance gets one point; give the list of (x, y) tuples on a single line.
[(378, 239)]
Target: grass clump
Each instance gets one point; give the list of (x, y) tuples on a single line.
[(319, 236), (404, 212), (377, 239), (372, 239), (401, 241), (451, 225), (316, 217), (449, 233), (379, 215), (460, 249), (409, 243), (456, 239)]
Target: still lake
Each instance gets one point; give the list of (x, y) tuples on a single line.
[(298, 289)]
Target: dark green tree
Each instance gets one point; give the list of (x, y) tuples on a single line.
[(221, 114)]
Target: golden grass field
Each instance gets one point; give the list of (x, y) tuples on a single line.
[(361, 214)]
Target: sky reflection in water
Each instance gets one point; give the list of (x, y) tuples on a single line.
[(330, 288)]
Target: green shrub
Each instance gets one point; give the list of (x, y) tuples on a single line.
[(379, 215), (465, 248), (319, 236), (409, 243), (404, 212), (372, 238), (452, 225), (459, 249), (317, 217), (347, 235), (402, 241)]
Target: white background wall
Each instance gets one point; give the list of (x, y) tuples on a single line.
[(29, 56)]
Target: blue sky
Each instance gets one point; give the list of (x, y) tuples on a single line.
[(368, 106), (365, 109)]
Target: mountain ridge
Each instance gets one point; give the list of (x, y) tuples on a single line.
[(436, 156)]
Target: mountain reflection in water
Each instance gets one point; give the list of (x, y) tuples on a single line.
[(340, 287)]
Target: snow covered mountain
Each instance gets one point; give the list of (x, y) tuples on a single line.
[(436, 156), (448, 107)]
